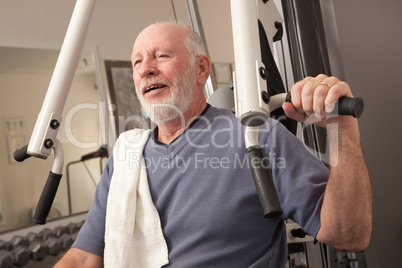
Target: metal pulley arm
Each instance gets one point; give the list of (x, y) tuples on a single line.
[(43, 139), (252, 111), (253, 102)]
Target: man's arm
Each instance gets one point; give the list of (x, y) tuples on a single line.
[(346, 213), (79, 258)]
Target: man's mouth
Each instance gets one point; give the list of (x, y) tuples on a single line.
[(153, 87)]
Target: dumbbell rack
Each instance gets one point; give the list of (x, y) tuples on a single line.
[(26, 246)]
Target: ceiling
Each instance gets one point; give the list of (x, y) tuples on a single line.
[(37, 61)]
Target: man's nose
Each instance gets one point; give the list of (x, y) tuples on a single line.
[(148, 68)]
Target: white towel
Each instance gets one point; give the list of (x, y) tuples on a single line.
[(133, 232)]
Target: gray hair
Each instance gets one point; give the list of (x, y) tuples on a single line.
[(193, 41)]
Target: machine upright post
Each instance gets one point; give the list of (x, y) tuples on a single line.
[(49, 118)]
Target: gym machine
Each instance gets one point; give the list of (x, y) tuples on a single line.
[(252, 99), (44, 136), (259, 91), (255, 99)]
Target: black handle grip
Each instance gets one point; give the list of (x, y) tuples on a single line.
[(46, 198), (344, 106), (349, 106), (21, 154), (263, 181)]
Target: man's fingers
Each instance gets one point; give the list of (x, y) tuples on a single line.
[(337, 91), (297, 94), (318, 95), (291, 112), (323, 85)]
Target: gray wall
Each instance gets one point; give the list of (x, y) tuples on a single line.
[(114, 24), (371, 40)]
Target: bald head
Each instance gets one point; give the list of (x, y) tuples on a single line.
[(181, 33)]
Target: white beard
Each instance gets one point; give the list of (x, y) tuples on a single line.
[(177, 103)]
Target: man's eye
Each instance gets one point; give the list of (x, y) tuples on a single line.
[(137, 62)]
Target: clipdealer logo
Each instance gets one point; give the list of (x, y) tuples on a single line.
[(203, 161), (215, 138)]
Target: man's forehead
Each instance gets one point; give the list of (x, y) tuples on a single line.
[(152, 46), (154, 38)]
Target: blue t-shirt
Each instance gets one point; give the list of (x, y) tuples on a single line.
[(202, 187)]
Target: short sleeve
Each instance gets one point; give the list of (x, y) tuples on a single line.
[(91, 236), (300, 177)]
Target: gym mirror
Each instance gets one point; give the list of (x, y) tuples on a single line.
[(25, 74)]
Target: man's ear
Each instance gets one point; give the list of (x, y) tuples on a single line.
[(203, 69)]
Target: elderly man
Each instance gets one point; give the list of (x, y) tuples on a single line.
[(207, 206)]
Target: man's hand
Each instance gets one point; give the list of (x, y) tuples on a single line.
[(314, 97)]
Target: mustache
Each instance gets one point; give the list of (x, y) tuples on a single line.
[(153, 80)]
